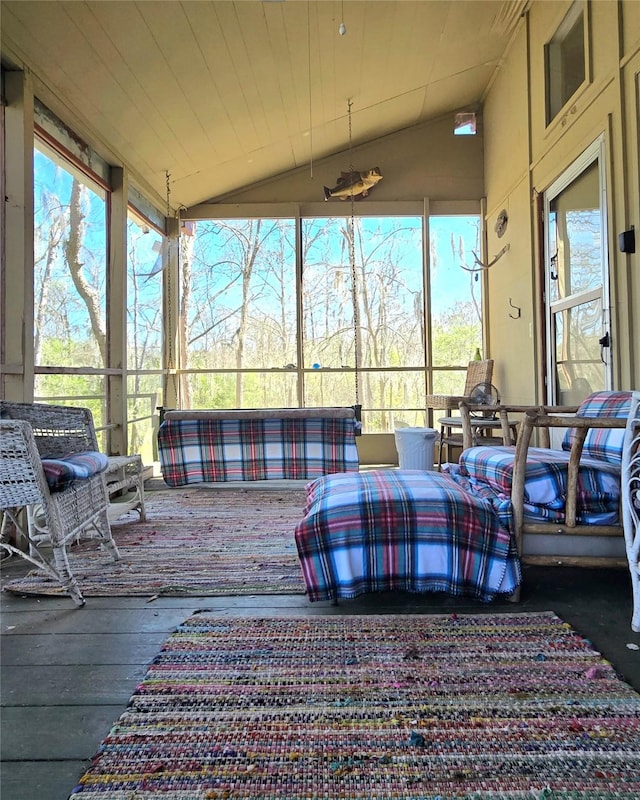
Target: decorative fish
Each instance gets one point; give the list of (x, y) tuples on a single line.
[(353, 183)]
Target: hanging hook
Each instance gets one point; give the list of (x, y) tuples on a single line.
[(517, 308)]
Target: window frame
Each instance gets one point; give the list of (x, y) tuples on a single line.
[(559, 37)]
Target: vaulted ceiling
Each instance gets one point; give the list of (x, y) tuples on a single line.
[(225, 94)]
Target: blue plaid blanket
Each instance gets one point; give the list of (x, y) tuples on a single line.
[(602, 443), (488, 472), (412, 530), (208, 450)]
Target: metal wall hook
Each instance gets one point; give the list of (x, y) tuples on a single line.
[(517, 308)]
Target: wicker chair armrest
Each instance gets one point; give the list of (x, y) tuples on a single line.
[(22, 478)]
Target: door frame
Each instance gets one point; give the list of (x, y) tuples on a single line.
[(596, 152)]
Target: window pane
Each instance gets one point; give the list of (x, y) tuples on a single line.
[(144, 396), (579, 365), (88, 391), (575, 231), (144, 295), (329, 388), (258, 390), (70, 254), (239, 296), (456, 295), (389, 291), (450, 382), (565, 62)]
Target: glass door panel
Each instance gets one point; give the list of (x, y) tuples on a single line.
[(577, 308), (577, 331)]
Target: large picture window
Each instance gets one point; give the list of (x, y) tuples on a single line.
[(339, 323), (238, 314)]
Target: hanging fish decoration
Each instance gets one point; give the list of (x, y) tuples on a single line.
[(356, 184)]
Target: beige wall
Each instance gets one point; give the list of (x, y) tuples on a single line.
[(512, 341), (421, 161), (523, 157)]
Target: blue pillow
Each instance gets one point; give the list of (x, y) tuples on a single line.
[(60, 472)]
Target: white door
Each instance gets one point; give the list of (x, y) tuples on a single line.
[(576, 266)]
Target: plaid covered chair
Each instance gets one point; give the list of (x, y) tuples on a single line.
[(50, 467), (539, 490)]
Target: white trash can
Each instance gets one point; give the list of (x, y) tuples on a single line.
[(415, 447)]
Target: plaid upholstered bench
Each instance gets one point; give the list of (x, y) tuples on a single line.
[(257, 444), (395, 529)]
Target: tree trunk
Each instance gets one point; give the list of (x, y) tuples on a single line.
[(72, 254)]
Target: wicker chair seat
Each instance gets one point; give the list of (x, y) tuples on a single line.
[(29, 433)]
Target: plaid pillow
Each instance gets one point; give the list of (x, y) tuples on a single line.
[(604, 444), (60, 472)]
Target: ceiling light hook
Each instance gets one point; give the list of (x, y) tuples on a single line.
[(342, 28)]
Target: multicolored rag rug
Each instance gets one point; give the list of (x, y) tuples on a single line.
[(513, 706), (194, 542)]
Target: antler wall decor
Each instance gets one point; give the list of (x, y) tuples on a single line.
[(480, 265)]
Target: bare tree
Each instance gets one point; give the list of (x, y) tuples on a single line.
[(72, 248)]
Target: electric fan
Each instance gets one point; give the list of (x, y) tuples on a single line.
[(484, 394)]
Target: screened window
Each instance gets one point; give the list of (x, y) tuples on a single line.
[(362, 317), (70, 255), (456, 298), (346, 326), (146, 258), (238, 312)]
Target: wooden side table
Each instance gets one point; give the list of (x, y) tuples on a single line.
[(125, 473)]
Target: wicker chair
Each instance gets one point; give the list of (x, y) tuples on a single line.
[(29, 433), (477, 372), (631, 502)]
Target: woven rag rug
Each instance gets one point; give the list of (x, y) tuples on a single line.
[(194, 542), (397, 707)]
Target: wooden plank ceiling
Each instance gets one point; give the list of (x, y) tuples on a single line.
[(225, 94)]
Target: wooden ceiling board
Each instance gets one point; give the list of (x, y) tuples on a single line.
[(464, 87), (149, 63), (192, 82), (225, 91), (242, 82), (136, 98)]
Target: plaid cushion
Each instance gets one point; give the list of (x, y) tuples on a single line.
[(60, 472), (197, 450), (412, 530), (602, 443), (545, 484)]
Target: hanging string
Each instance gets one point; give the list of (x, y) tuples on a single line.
[(352, 259), (169, 322), (168, 267), (309, 77)]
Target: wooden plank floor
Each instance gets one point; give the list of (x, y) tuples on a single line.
[(68, 673)]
